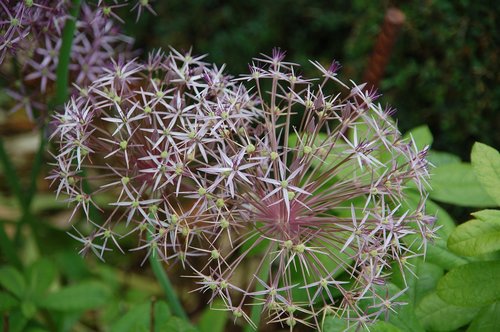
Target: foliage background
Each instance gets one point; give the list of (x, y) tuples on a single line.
[(444, 72)]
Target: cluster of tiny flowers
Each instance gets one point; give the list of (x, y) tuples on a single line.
[(31, 37), (300, 181)]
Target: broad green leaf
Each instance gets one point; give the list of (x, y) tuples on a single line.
[(438, 158), (335, 324), (162, 315), (382, 326), (437, 315), (488, 319), (17, 321), (40, 276), (403, 316), (7, 301), (213, 320), (28, 308), (457, 184), (440, 255), (135, 319), (139, 318), (12, 280), (471, 285), (486, 164), (420, 278), (421, 135), (487, 214), (79, 297), (475, 237), (178, 325)]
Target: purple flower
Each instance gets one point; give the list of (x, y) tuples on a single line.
[(317, 212)]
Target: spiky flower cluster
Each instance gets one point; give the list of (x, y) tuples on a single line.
[(293, 194), (31, 37)]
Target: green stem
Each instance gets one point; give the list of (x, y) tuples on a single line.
[(257, 309), (62, 70), (8, 248), (164, 281), (11, 176)]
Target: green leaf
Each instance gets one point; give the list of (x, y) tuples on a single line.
[(213, 320), (40, 276), (437, 315), (139, 318), (135, 319), (421, 135), (403, 316), (177, 324), (28, 308), (162, 315), (7, 301), (335, 324), (457, 184), (488, 319), (486, 164), (12, 280), (487, 214), (17, 321), (382, 326), (471, 285), (79, 297), (440, 255), (438, 158), (421, 279), (476, 237)]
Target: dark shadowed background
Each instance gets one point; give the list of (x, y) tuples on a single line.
[(443, 71)]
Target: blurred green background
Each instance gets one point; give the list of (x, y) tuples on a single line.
[(444, 70)]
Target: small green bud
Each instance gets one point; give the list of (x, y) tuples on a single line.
[(290, 321), (299, 248), (288, 244), (125, 180), (284, 184), (153, 208), (147, 110), (215, 254), (237, 313), (274, 155), (250, 148), (123, 145), (219, 202), (164, 154), (202, 191), (224, 223)]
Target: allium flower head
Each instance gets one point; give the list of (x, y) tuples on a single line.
[(138, 136), (292, 190), (33, 38)]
